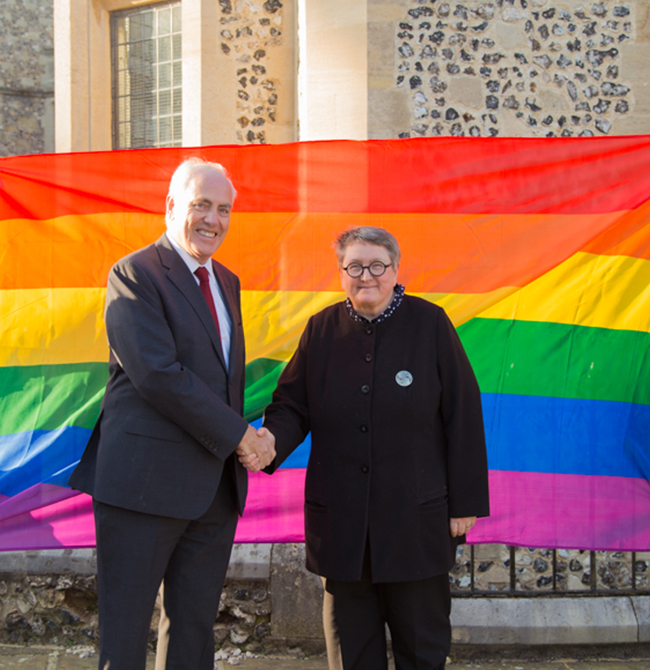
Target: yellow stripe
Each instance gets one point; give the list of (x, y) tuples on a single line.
[(274, 320), (53, 326), (586, 290)]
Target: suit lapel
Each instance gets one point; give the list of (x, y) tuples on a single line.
[(232, 305), (180, 275)]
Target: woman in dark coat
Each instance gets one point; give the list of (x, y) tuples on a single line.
[(397, 472)]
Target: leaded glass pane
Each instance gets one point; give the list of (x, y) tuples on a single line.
[(165, 129), (178, 73), (164, 49), (164, 21), (165, 102), (176, 18), (177, 47)]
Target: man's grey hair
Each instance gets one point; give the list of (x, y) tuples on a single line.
[(187, 170), (367, 235)]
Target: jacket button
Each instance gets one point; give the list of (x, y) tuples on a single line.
[(364, 469), (363, 428), (369, 330), (365, 389), (368, 357)]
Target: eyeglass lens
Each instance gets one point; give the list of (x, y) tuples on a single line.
[(355, 270)]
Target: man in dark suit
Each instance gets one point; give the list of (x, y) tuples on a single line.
[(160, 462)]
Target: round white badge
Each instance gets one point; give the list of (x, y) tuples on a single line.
[(404, 378)]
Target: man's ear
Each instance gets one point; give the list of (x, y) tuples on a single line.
[(169, 205)]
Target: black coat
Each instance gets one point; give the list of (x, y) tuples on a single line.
[(390, 463), (172, 413)]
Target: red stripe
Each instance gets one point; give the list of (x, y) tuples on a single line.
[(473, 175)]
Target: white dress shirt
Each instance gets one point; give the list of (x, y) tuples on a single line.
[(225, 325)]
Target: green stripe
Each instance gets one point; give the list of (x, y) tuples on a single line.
[(512, 357), (261, 379), (46, 397), (558, 360)]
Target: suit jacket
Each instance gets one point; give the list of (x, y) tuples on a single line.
[(390, 462), (172, 413)]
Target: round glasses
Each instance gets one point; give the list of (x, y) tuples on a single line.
[(376, 269)]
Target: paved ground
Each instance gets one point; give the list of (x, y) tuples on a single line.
[(55, 658)]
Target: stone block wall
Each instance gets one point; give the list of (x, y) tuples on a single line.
[(26, 77), (478, 68)]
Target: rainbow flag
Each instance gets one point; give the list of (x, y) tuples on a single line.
[(539, 250)]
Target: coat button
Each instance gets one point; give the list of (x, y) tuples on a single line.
[(369, 330), (365, 389), (368, 357), (364, 469), (363, 428)]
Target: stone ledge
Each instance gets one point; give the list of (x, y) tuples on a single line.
[(551, 621), (248, 561)]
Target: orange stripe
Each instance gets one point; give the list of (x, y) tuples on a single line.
[(442, 253), (70, 251), (628, 236)]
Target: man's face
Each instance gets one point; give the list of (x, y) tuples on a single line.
[(199, 218)]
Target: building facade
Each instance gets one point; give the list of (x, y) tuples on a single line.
[(268, 71)]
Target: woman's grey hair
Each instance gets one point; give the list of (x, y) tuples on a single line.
[(367, 235), (188, 169)]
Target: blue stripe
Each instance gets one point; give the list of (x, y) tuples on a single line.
[(524, 434), (556, 435), (567, 436), (39, 457)]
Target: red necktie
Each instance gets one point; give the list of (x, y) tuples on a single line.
[(204, 285)]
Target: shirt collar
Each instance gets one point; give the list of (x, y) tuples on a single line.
[(395, 303), (191, 262)]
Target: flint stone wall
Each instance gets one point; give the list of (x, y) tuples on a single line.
[(250, 32), (508, 68), (270, 602), (50, 597), (26, 77)]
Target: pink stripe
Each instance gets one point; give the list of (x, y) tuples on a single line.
[(46, 517), (528, 509), (274, 508), (533, 509)]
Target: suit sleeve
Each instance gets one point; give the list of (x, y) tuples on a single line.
[(143, 344), (287, 417), (467, 471)]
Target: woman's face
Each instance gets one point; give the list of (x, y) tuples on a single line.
[(369, 295)]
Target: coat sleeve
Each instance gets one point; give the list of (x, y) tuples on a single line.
[(467, 471), (142, 343), (287, 417)]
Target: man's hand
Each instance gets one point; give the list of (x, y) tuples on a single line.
[(458, 527), (256, 449)]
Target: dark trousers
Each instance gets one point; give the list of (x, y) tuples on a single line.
[(135, 553), (355, 615)]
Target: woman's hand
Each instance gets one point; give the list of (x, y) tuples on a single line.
[(458, 527)]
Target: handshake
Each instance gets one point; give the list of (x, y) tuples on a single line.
[(256, 449)]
